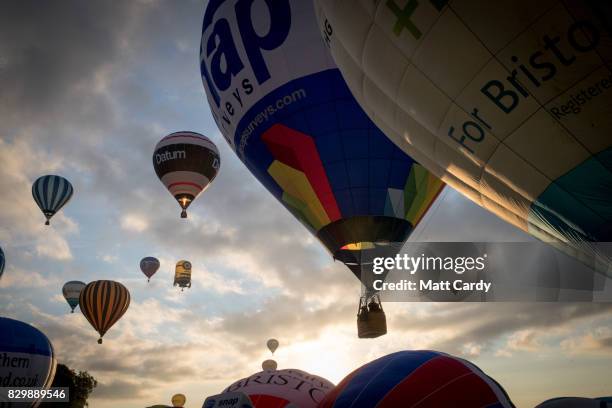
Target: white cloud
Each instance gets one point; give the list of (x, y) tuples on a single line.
[(134, 223)]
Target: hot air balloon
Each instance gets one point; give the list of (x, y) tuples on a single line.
[(269, 365), (283, 387), (149, 266), (417, 378), (272, 345), (2, 262), (31, 357), (72, 291), (289, 116), (51, 193), (182, 274), (178, 400), (576, 402), (103, 302), (186, 163), (508, 103)]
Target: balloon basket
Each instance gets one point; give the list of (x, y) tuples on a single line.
[(47, 222), (183, 214), (371, 319), (100, 340)]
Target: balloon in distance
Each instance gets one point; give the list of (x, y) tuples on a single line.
[(272, 345), (269, 365), (178, 400), (149, 265), (103, 303), (182, 274), (520, 126), (186, 163), (72, 291), (51, 193)]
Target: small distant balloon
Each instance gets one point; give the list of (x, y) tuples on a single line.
[(51, 193), (272, 345), (2, 262), (186, 163), (103, 302), (182, 274), (72, 291), (269, 365), (149, 266), (178, 400)]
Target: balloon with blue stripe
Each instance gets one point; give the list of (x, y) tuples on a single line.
[(51, 193), (423, 378), (2, 262)]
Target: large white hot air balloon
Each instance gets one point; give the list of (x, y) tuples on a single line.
[(508, 102)]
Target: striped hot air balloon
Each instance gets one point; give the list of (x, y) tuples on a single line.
[(51, 193), (427, 379), (186, 163), (103, 302)]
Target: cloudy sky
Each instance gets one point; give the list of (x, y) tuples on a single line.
[(86, 91)]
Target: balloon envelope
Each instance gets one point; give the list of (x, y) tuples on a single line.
[(186, 163), (51, 193), (178, 400), (576, 402), (272, 345), (71, 291), (417, 378), (182, 274), (103, 302), (289, 116), (149, 266), (283, 387), (31, 353), (504, 102), (269, 365)]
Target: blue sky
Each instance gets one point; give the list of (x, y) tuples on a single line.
[(88, 88)]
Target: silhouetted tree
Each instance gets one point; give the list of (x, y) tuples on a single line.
[(80, 385)]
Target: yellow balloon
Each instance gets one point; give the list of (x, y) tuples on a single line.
[(269, 365), (178, 400)]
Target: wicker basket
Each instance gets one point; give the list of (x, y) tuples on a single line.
[(371, 323)]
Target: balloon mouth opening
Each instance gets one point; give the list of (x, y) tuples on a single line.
[(100, 340)]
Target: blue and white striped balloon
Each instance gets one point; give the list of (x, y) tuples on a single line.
[(51, 193), (2, 262)]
